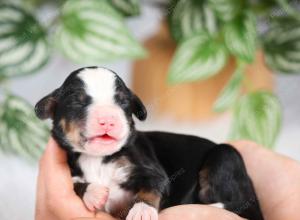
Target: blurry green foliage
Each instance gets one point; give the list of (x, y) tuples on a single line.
[(21, 132), (257, 117), (94, 31), (235, 25)]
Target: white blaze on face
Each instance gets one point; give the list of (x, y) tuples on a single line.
[(100, 86)]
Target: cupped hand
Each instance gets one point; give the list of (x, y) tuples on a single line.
[(56, 199)]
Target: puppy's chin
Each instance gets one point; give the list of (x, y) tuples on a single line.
[(99, 147)]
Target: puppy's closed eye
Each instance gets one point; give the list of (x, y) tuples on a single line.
[(75, 105)]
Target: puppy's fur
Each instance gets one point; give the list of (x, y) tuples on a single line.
[(133, 174)]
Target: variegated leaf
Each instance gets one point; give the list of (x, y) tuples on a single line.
[(257, 117), (21, 132), (230, 92), (23, 45), (240, 36), (92, 31), (127, 7), (282, 46), (197, 58), (226, 10), (191, 17)]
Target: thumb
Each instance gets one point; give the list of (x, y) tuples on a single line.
[(55, 169), (54, 155)]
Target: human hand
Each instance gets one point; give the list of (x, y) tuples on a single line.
[(276, 180), (56, 199)]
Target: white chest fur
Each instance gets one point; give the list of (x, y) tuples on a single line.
[(110, 175)]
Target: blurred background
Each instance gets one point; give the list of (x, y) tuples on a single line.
[(220, 69)]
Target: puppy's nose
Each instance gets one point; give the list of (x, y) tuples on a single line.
[(107, 123)]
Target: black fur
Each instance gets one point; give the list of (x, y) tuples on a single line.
[(80, 188)]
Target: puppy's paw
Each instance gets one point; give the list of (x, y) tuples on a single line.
[(218, 205), (95, 196), (142, 211)]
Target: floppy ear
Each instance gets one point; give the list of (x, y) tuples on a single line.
[(44, 109), (138, 108)]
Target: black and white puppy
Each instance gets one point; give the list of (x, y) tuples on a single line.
[(133, 174)]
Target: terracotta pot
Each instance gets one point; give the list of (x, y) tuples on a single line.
[(188, 101)]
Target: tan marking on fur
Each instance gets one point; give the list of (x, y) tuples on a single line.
[(123, 161), (121, 210), (150, 198), (71, 131), (81, 97), (204, 184), (63, 124)]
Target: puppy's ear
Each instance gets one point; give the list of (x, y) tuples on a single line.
[(138, 108), (44, 109)]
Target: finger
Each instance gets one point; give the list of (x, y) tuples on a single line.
[(53, 158), (56, 186), (70, 208), (55, 170), (104, 216), (54, 154), (196, 212)]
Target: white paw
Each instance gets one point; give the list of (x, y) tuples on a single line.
[(142, 211), (95, 196), (217, 205)]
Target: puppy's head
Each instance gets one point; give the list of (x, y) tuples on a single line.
[(92, 111)]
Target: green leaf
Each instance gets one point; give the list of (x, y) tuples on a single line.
[(21, 132), (23, 45), (257, 117), (240, 36), (191, 17), (226, 10), (230, 92), (197, 58), (290, 8), (282, 46), (127, 7), (92, 31)]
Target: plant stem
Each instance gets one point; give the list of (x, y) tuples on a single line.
[(248, 84)]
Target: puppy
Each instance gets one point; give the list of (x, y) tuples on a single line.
[(132, 174)]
